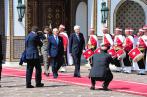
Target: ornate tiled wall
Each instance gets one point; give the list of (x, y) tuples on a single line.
[(130, 14), (18, 48), (145, 1)]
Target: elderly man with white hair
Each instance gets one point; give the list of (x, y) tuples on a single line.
[(76, 46), (55, 51)]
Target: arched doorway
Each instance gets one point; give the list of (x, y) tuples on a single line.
[(45, 12), (81, 18), (130, 14)]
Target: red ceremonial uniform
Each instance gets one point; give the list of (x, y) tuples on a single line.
[(128, 43)]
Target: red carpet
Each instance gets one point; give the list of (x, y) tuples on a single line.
[(121, 86)]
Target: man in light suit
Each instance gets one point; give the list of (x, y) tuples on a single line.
[(76, 46), (32, 41), (55, 51), (44, 50)]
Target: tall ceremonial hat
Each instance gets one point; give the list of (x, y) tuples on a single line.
[(105, 28), (129, 30), (118, 30), (91, 30), (145, 27), (141, 31), (62, 26)]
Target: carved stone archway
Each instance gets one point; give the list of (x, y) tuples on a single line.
[(130, 14)]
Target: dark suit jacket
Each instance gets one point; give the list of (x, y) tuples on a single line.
[(101, 65), (1, 55), (55, 49), (32, 43), (76, 46)]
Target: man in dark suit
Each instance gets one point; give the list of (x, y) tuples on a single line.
[(76, 46), (32, 42), (1, 58), (55, 51), (100, 70)]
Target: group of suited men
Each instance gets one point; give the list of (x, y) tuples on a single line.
[(54, 52)]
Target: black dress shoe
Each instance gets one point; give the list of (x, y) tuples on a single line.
[(55, 75), (29, 86), (105, 88), (40, 85), (92, 88), (141, 74), (77, 76)]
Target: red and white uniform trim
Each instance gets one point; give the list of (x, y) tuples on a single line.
[(93, 40), (107, 40), (119, 40), (128, 43)]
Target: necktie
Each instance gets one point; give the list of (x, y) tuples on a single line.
[(78, 37), (56, 39)]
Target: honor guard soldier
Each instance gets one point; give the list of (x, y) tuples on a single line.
[(64, 36), (141, 46), (128, 45), (118, 45), (145, 40), (92, 43), (107, 39)]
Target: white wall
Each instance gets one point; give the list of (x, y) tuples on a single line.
[(7, 20), (99, 18), (81, 18), (115, 5), (90, 13), (19, 27)]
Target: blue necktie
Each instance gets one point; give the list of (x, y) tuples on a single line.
[(78, 37), (56, 39)]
